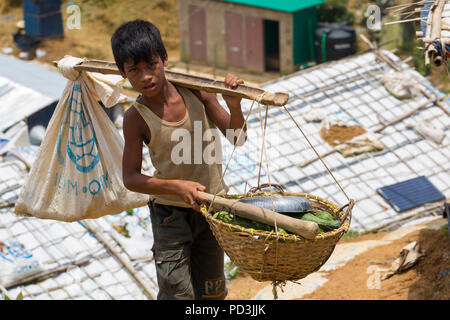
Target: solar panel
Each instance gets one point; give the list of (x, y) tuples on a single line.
[(410, 194)]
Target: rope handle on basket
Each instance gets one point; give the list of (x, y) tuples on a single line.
[(266, 185), (350, 208), (257, 99), (318, 155)]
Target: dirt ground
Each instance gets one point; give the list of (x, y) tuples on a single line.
[(429, 279), (99, 19), (337, 134)]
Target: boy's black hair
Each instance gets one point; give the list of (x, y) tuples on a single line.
[(137, 40)]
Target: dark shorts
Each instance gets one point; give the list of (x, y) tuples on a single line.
[(189, 262)]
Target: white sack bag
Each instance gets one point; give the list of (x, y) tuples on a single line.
[(77, 173), (16, 263)]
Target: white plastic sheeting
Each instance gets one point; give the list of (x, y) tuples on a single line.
[(350, 88), (25, 88), (18, 102), (55, 245)]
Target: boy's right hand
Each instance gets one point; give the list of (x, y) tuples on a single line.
[(187, 190)]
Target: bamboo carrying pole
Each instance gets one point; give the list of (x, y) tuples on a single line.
[(196, 82), (306, 229)]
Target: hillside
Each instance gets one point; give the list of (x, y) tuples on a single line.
[(99, 19)]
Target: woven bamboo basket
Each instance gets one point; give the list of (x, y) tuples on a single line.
[(270, 256)]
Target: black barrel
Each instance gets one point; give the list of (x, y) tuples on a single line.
[(334, 41)]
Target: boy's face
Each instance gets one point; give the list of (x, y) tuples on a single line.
[(146, 77)]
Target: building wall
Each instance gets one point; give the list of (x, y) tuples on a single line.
[(305, 26), (216, 36)]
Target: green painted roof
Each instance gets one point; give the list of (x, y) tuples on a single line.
[(280, 5)]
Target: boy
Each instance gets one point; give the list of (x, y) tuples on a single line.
[(189, 262)]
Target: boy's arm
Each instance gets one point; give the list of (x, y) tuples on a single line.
[(230, 124), (134, 131)]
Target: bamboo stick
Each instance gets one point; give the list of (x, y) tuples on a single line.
[(415, 215), (436, 23), (308, 162), (404, 116), (406, 5), (21, 158), (428, 33), (5, 205), (47, 274), (430, 40), (403, 21), (9, 189), (197, 82), (438, 102), (122, 260), (435, 31)]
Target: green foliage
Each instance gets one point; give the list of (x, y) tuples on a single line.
[(98, 3), (163, 5), (409, 42), (324, 219), (324, 224), (444, 230), (353, 234), (231, 271), (19, 296), (230, 218), (445, 91), (335, 11), (419, 62)]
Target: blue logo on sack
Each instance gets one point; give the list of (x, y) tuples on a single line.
[(81, 141), (15, 251)]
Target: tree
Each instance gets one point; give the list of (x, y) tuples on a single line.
[(335, 11)]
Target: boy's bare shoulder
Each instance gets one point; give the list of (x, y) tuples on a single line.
[(205, 97), (131, 113), (134, 123), (130, 116)]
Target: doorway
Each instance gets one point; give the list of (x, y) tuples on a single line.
[(272, 45)]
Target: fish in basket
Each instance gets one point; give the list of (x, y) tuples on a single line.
[(271, 252)]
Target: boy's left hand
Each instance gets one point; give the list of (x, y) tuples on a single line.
[(232, 82)]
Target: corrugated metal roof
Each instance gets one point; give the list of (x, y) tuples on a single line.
[(285, 5), (26, 88)]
